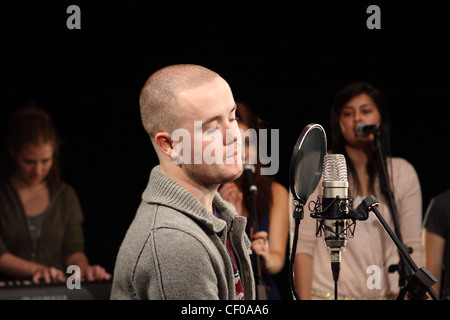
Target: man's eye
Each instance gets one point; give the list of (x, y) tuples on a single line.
[(211, 130)]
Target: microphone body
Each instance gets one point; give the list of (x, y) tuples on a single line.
[(335, 203), (364, 130), (249, 175), (333, 219), (335, 233)]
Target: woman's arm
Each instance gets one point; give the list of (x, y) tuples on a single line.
[(273, 251), (434, 254)]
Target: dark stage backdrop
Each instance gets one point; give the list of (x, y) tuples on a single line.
[(285, 60)]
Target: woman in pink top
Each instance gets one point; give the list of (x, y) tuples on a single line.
[(368, 255)]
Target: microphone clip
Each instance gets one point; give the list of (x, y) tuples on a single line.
[(298, 209), (347, 231), (343, 206)]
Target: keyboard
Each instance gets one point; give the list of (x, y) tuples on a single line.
[(26, 290)]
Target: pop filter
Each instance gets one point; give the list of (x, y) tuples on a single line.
[(304, 175), (307, 162)]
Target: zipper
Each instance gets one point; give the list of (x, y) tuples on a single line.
[(230, 238)]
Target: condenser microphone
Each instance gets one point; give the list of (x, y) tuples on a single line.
[(364, 130), (249, 175), (333, 219)]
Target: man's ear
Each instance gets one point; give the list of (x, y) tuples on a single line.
[(164, 143)]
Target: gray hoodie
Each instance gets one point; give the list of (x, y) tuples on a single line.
[(175, 248)]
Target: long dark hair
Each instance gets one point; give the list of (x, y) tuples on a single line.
[(374, 167), (263, 182), (31, 124)]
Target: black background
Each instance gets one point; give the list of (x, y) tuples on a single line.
[(286, 60)]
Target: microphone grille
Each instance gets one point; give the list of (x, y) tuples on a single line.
[(360, 130), (334, 168)]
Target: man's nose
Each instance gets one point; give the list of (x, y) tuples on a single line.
[(232, 134)]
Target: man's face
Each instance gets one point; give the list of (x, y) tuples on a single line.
[(209, 113)]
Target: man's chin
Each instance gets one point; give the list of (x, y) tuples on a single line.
[(237, 174)]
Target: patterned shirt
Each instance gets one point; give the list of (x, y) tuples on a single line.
[(237, 278)]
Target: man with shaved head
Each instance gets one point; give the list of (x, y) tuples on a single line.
[(185, 241)]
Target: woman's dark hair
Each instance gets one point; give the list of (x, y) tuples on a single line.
[(263, 182), (374, 167), (31, 125)]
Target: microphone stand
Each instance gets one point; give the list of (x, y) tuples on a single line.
[(421, 280), (298, 215), (335, 246), (403, 269), (261, 289)]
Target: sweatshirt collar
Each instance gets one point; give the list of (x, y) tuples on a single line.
[(165, 191)]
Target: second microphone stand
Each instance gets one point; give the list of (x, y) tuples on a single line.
[(402, 267), (261, 288), (421, 280), (298, 216)]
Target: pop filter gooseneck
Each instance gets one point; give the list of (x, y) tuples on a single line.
[(304, 176)]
